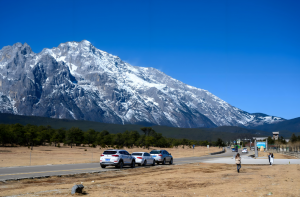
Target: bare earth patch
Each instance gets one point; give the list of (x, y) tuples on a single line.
[(43, 155), (276, 156), (177, 180)]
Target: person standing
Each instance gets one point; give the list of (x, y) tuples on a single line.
[(238, 162), (271, 159), (269, 156)]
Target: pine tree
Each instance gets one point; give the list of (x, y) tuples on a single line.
[(293, 138)]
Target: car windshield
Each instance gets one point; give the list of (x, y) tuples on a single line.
[(137, 154), (155, 152), (109, 152)]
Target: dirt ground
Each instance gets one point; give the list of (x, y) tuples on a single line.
[(264, 155), (43, 155), (176, 180)]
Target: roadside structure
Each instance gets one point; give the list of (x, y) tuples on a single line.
[(255, 144), (275, 135)]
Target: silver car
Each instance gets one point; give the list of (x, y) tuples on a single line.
[(162, 156)]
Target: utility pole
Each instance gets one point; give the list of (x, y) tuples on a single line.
[(255, 147)]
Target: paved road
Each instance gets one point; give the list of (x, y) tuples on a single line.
[(67, 169)]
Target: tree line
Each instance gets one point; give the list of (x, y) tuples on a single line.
[(32, 135), (281, 139)]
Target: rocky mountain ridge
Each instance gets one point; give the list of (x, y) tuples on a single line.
[(78, 81)]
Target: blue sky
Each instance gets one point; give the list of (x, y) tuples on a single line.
[(245, 52)]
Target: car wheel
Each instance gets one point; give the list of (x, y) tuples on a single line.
[(102, 166), (145, 163), (120, 165), (164, 162), (171, 161), (133, 164), (153, 164)]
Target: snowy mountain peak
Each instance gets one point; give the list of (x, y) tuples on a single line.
[(78, 81)]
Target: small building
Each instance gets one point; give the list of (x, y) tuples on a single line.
[(275, 135)]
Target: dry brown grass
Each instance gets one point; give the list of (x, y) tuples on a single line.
[(43, 155), (180, 180), (276, 155)]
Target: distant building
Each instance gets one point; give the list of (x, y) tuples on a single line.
[(275, 135)]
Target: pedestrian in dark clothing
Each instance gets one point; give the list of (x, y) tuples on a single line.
[(238, 162), (269, 156)]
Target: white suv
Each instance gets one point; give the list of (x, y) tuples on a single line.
[(117, 158)]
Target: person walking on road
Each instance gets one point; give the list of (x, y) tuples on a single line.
[(271, 159), (238, 162)]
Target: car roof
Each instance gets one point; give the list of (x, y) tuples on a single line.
[(115, 150), (139, 152)]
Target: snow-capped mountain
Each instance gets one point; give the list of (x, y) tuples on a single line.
[(78, 81)]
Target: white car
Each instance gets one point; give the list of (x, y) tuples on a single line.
[(117, 158), (143, 158), (245, 150)]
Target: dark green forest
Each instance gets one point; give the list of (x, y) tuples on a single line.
[(42, 130), (32, 135), (226, 133)]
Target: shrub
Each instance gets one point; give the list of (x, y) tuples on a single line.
[(103, 145)]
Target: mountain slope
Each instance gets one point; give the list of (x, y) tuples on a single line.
[(292, 125), (78, 81)]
